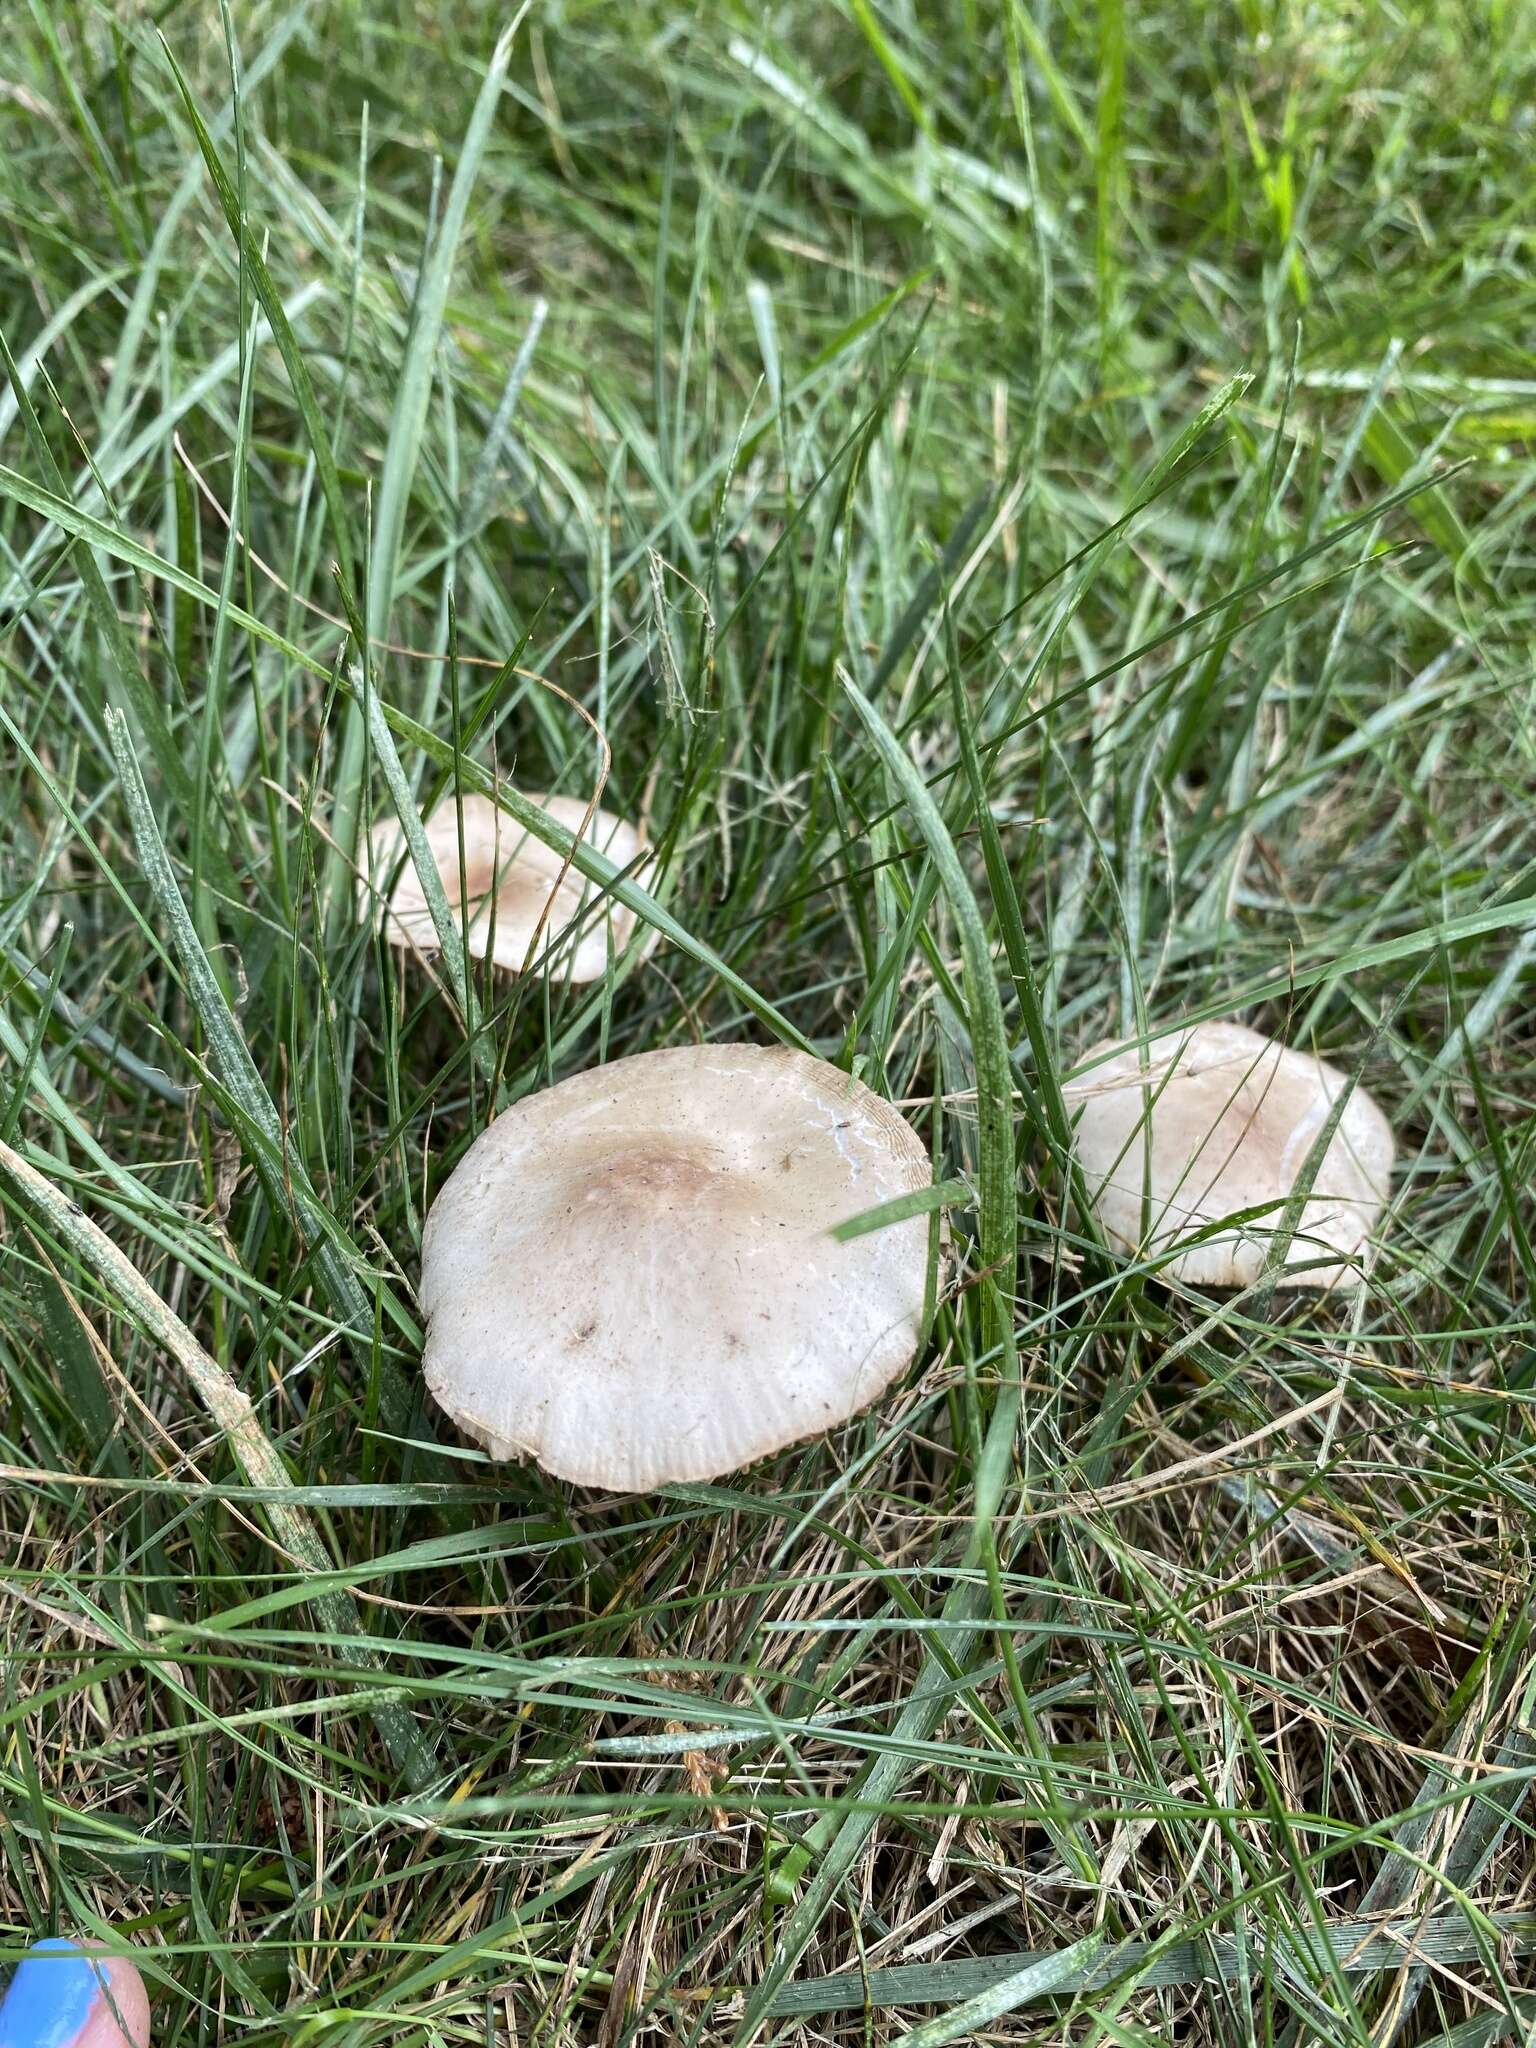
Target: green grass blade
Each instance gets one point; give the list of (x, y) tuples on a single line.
[(299, 380), (346, 1276), (997, 1202), (231, 1410), (413, 395), (132, 684), (1064, 1971)]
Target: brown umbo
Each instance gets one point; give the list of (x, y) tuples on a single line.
[(631, 1277)]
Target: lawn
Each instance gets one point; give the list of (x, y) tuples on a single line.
[(1029, 500)]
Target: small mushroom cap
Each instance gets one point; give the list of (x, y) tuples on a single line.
[(1232, 1116), (514, 881), (630, 1277), (66, 1994)]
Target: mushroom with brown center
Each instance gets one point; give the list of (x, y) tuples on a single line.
[(1213, 1120), (631, 1277), (520, 893)]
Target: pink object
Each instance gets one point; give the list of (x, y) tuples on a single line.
[(120, 2015), (71, 1994)]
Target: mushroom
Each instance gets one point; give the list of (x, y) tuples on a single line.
[(1209, 1121), (68, 1994), (631, 1276), (520, 890)]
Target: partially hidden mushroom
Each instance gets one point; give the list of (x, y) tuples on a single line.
[(70, 1994), (632, 1279), (1210, 1121), (520, 894)]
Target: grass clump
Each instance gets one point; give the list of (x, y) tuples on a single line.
[(1030, 506)]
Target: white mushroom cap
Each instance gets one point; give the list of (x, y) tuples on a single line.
[(1232, 1116), (514, 882), (630, 1277)]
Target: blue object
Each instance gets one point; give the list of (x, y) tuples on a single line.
[(50, 1998)]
